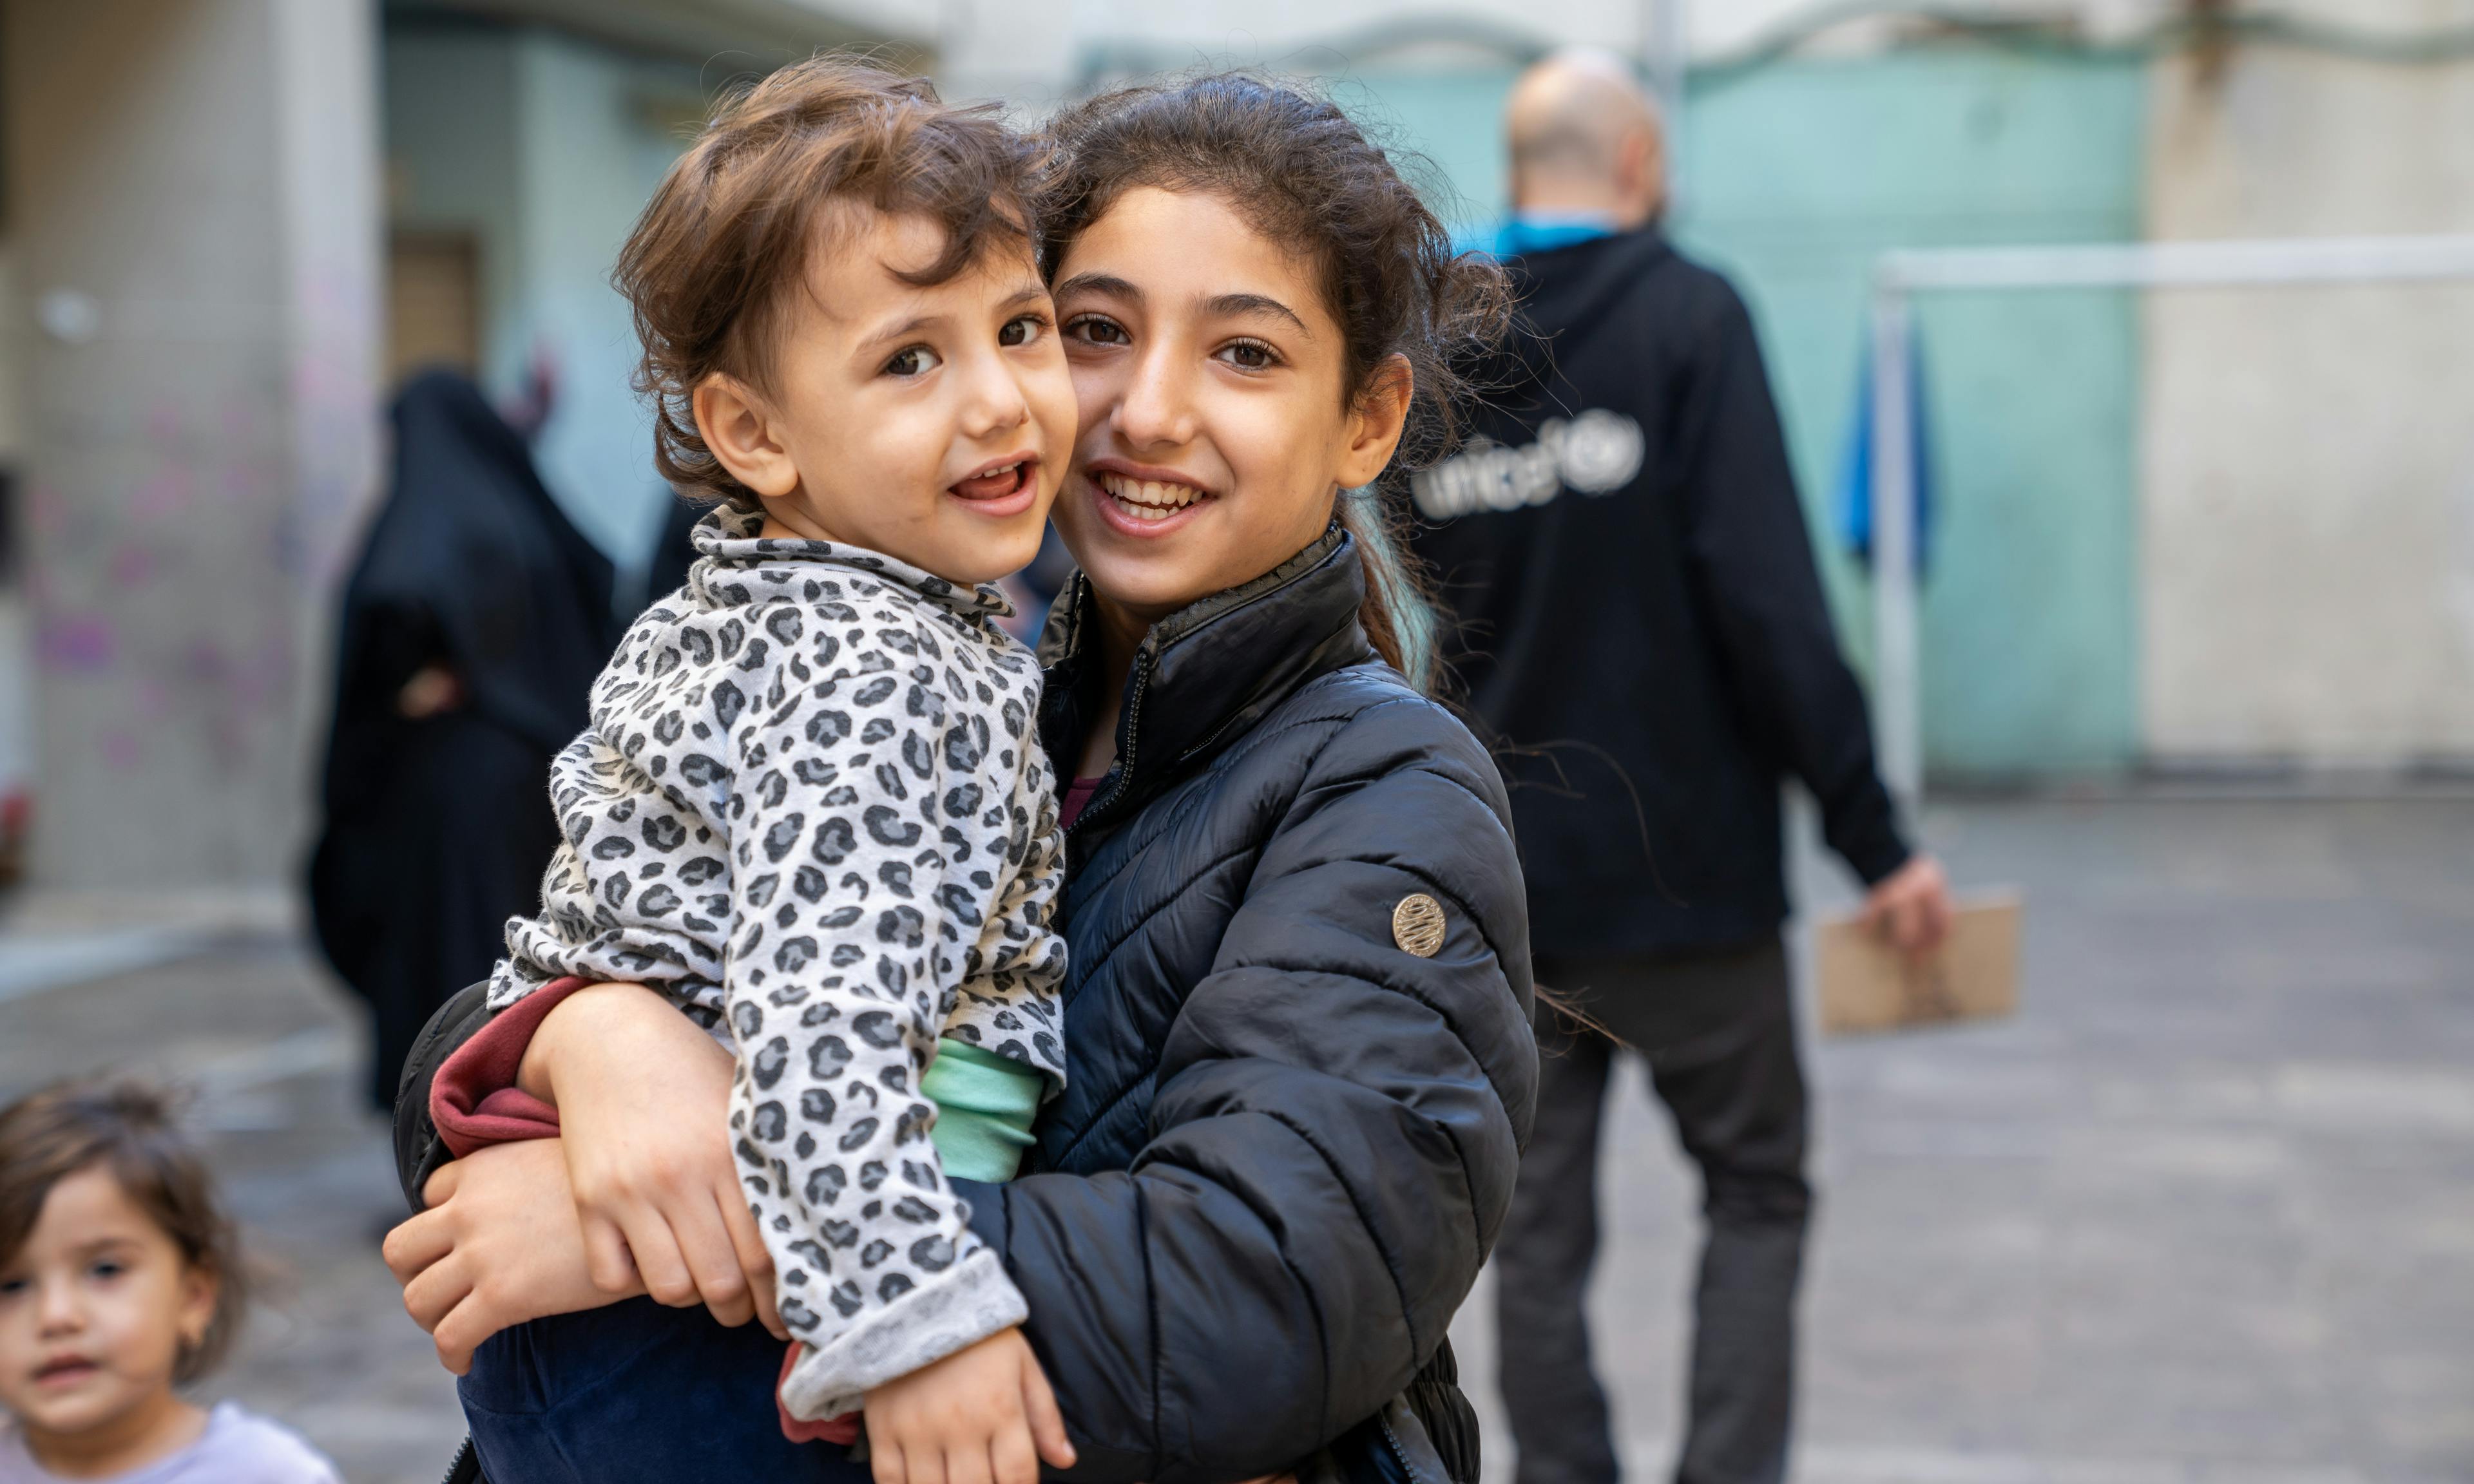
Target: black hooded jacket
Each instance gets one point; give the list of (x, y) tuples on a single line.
[(437, 828), (1286, 1141), (1642, 621)]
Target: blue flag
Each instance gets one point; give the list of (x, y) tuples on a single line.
[(1854, 504)]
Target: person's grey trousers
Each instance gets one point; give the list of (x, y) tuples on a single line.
[(1718, 1030)]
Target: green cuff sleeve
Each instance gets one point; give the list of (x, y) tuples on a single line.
[(984, 1105)]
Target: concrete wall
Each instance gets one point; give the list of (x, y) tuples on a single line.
[(1802, 173), (190, 195), (16, 329), (1032, 50), (545, 147), (592, 151), (2185, 528), (16, 653), (1453, 118), (2308, 528), (452, 164), (327, 153)]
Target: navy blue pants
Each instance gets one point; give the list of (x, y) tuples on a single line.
[(637, 1392)]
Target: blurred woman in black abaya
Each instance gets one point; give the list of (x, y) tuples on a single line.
[(472, 630)]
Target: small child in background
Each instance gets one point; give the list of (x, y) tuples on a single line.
[(120, 1281)]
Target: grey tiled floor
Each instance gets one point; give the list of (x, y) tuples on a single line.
[(2203, 1213)]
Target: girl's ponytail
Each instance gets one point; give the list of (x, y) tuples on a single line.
[(1399, 613)]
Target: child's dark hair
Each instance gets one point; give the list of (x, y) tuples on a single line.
[(1297, 167), (726, 240), (129, 1129)]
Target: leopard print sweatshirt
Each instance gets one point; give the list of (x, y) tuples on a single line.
[(811, 811)]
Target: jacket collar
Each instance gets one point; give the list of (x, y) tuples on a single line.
[(1542, 231), (1205, 674)]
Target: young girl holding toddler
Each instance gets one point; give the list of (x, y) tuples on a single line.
[(1298, 1001), (120, 1281)]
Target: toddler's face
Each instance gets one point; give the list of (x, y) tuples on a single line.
[(933, 424), (93, 1310)]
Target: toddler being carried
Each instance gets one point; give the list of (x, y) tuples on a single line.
[(810, 809)]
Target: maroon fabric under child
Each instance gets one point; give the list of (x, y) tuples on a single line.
[(474, 1100), (1078, 794)]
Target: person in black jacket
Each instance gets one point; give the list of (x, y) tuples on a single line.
[(472, 629), (1643, 632), (1299, 1059)]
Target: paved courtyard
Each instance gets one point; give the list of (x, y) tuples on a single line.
[(2205, 1212)]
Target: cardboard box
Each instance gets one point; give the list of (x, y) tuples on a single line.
[(1868, 986)]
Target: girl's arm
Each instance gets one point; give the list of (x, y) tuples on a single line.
[(499, 1244), (500, 1240)]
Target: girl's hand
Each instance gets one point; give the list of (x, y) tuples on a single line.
[(983, 1415), (642, 1098), (499, 1244)]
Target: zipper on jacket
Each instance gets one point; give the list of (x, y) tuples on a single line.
[(467, 1467), (1131, 727), (1399, 1454)]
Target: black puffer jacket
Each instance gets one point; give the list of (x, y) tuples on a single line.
[(1286, 1142)]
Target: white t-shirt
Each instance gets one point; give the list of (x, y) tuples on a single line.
[(238, 1448)]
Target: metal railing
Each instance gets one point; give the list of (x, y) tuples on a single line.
[(1898, 276)]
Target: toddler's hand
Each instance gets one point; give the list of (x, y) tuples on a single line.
[(983, 1415), (644, 1100)]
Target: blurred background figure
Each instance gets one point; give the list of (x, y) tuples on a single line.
[(472, 627), (674, 552), (1644, 630)]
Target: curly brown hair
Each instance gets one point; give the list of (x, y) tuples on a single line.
[(725, 242), (1302, 173), (128, 1128)]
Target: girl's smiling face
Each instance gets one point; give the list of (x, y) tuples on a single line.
[(1215, 425)]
